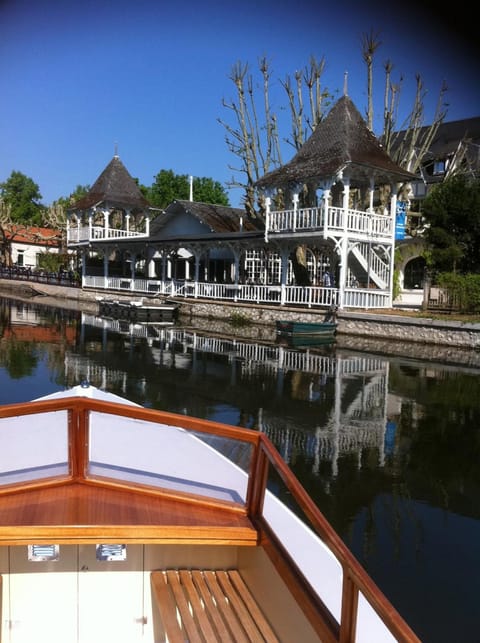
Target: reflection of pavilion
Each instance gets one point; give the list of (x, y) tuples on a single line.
[(357, 421), (358, 416)]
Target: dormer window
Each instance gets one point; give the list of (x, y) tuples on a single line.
[(439, 167)]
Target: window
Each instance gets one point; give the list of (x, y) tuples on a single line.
[(419, 189), (439, 167)]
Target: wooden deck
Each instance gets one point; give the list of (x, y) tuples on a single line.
[(85, 513)]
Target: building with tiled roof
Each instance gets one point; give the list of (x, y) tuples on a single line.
[(24, 244)]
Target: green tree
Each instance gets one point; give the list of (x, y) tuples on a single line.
[(22, 196), (66, 201), (56, 215), (169, 186), (452, 214)]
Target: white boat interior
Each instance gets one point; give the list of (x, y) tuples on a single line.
[(123, 523)]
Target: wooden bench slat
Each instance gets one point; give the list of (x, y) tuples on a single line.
[(215, 615), (225, 608), (199, 612), (252, 606), (238, 606), (207, 606), (187, 619), (168, 609)]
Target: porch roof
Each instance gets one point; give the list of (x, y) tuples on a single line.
[(218, 218)]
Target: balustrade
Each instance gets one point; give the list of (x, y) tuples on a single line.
[(302, 296), (338, 220)]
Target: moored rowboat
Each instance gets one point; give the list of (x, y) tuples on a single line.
[(306, 329), (139, 311)]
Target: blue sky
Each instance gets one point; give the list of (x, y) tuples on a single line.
[(81, 77)]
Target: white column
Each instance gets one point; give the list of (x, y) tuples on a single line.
[(106, 220), (284, 274), (105, 266), (133, 258), (236, 266), (346, 195), (342, 277), (164, 266), (84, 267), (268, 202), (198, 257), (295, 210), (393, 218), (371, 193), (150, 262), (326, 200)]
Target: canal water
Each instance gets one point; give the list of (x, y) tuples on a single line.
[(385, 437)]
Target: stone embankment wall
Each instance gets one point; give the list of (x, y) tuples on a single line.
[(411, 329), (376, 325), (258, 322)]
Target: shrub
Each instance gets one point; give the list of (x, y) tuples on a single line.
[(464, 290), (238, 320)]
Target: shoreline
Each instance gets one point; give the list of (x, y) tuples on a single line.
[(355, 328)]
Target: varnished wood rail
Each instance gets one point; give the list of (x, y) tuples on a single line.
[(264, 458)]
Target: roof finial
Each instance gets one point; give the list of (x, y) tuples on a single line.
[(345, 83), (116, 150)]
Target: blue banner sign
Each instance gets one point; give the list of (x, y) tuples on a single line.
[(400, 220)]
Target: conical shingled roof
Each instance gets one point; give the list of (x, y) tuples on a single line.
[(342, 141), (115, 186)]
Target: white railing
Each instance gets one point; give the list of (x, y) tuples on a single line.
[(377, 269), (366, 298), (356, 223), (99, 233), (306, 297)]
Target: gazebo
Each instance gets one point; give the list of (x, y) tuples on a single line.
[(343, 189)]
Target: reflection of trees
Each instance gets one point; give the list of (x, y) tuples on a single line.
[(20, 351), (19, 358), (4, 315)]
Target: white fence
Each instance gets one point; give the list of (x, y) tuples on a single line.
[(306, 297)]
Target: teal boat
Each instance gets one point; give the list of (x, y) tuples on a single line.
[(304, 330)]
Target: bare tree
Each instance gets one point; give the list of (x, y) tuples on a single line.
[(254, 137), (370, 44), (5, 242), (409, 143), (11, 230)]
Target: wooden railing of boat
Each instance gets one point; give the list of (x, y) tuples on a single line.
[(355, 579)]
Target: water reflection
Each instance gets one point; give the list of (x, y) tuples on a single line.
[(384, 438)]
